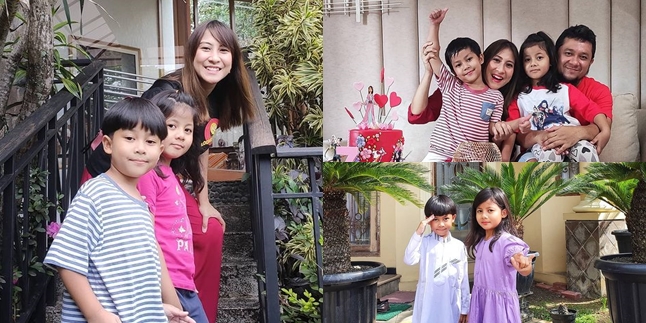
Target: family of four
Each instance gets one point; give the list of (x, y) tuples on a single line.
[(539, 98)]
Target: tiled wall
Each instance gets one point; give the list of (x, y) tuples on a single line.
[(585, 241)]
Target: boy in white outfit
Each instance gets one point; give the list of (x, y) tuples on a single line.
[(443, 288)]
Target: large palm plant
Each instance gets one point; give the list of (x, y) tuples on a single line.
[(360, 179), (527, 191), (622, 185)]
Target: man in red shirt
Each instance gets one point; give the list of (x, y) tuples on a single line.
[(575, 50)]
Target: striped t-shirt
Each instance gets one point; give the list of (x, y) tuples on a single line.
[(108, 236), (464, 115)]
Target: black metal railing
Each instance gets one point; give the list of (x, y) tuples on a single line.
[(51, 140), (260, 149)]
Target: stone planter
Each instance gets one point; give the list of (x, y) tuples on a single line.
[(625, 288), (352, 297)]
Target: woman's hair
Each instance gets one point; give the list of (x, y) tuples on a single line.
[(550, 79), (439, 205), (509, 90), (477, 233), (233, 97), (131, 112), (187, 165)]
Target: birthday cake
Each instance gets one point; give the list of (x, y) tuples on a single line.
[(375, 137), (377, 145)]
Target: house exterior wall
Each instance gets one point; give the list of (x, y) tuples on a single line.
[(357, 51), (127, 23), (544, 232)]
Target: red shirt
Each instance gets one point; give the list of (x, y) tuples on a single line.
[(597, 92), (432, 111)]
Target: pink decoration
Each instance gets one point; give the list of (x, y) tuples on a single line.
[(358, 86), (389, 81), (394, 99), (381, 100), (371, 117)]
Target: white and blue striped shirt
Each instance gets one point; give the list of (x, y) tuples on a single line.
[(108, 236)]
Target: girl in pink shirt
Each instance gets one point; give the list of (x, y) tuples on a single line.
[(163, 192)]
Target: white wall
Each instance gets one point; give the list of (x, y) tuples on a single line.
[(357, 51)]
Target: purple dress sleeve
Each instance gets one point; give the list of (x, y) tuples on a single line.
[(512, 246)]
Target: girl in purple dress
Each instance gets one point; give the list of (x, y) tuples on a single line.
[(499, 255)]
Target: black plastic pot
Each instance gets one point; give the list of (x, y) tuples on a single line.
[(563, 318), (352, 297), (625, 288), (623, 240)]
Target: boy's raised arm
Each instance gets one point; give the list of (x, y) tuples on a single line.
[(436, 17)]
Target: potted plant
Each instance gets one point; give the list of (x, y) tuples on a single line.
[(622, 185), (351, 296), (527, 191), (562, 314)]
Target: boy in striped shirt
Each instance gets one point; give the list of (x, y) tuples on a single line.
[(469, 106), (106, 252)]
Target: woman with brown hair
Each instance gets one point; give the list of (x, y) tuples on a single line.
[(215, 76)]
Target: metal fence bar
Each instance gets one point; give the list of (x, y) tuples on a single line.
[(35, 145)]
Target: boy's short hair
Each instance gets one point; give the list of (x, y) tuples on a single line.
[(128, 113), (439, 205), (580, 33), (458, 44)]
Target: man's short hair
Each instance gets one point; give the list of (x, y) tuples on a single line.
[(580, 33)]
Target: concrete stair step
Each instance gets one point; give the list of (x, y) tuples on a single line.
[(239, 310), (229, 193), (237, 217), (237, 245), (238, 279), (388, 284)]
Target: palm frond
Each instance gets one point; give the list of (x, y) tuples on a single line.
[(364, 178), (526, 191), (614, 183)]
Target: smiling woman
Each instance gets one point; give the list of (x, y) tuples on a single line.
[(215, 76)]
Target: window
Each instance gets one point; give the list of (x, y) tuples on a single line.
[(445, 172), (364, 225)]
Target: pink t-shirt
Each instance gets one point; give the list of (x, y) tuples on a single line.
[(465, 114), (167, 203)]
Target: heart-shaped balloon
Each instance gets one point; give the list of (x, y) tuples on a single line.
[(358, 86), (381, 100), (395, 116), (389, 81), (394, 99), (357, 105)]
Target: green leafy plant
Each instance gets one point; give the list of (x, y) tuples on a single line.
[(35, 66), (295, 309), (287, 58), (37, 207), (361, 179), (294, 224), (526, 190)]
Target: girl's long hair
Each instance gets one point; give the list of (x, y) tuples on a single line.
[(477, 233), (509, 90), (550, 79), (233, 97), (187, 165)]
